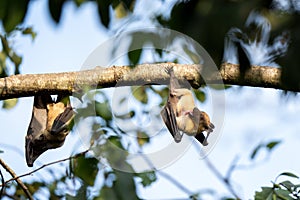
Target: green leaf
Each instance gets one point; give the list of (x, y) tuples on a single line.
[(288, 174), (265, 194), (107, 193), (267, 146), (86, 169), (103, 11), (273, 144), (113, 151), (142, 138), (134, 56), (81, 193), (3, 57), (287, 184), (161, 92), (79, 2), (192, 54), (5, 45), (17, 61), (9, 103), (283, 194), (200, 95), (55, 8), (116, 141), (140, 94), (1, 151), (103, 110), (9, 52), (255, 151), (147, 178), (120, 10), (124, 185), (13, 14)]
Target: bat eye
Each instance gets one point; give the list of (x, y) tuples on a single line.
[(42, 137), (65, 130)]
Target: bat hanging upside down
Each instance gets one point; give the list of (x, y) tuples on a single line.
[(49, 125), (181, 115)]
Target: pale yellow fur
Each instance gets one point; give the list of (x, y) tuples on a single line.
[(54, 110)]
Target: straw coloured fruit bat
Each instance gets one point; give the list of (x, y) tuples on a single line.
[(181, 115), (48, 127)]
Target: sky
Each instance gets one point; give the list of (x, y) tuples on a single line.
[(252, 115)]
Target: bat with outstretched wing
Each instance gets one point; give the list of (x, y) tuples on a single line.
[(49, 125), (182, 116)]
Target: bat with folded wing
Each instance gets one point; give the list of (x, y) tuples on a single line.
[(49, 125), (182, 116)]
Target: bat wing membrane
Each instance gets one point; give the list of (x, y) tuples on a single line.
[(169, 118)]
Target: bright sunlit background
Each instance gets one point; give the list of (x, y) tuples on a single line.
[(252, 115)]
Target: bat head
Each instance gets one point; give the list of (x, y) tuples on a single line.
[(204, 124), (35, 145), (203, 121)]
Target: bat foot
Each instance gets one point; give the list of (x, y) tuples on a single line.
[(205, 143), (177, 140), (178, 137)]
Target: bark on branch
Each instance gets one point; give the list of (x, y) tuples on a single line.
[(69, 82)]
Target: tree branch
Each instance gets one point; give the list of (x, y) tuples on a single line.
[(2, 181), (48, 164), (20, 183), (69, 82)]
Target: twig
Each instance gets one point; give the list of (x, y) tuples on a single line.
[(48, 164), (232, 167), (2, 180), (220, 177), (226, 179), (165, 175), (20, 183)]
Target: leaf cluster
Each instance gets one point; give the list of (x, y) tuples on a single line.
[(285, 190)]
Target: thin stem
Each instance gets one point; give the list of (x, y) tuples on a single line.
[(165, 175), (48, 164), (225, 180), (14, 175), (2, 180)]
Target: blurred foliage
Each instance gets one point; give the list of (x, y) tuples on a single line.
[(86, 168), (208, 22), (12, 13), (10, 60), (9, 103), (140, 93), (285, 190), (264, 146)]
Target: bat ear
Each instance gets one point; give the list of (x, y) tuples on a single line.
[(197, 114)]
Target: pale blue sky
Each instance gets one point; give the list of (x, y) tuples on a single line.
[(252, 115)]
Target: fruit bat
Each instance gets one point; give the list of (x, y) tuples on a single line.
[(181, 115), (49, 125)]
